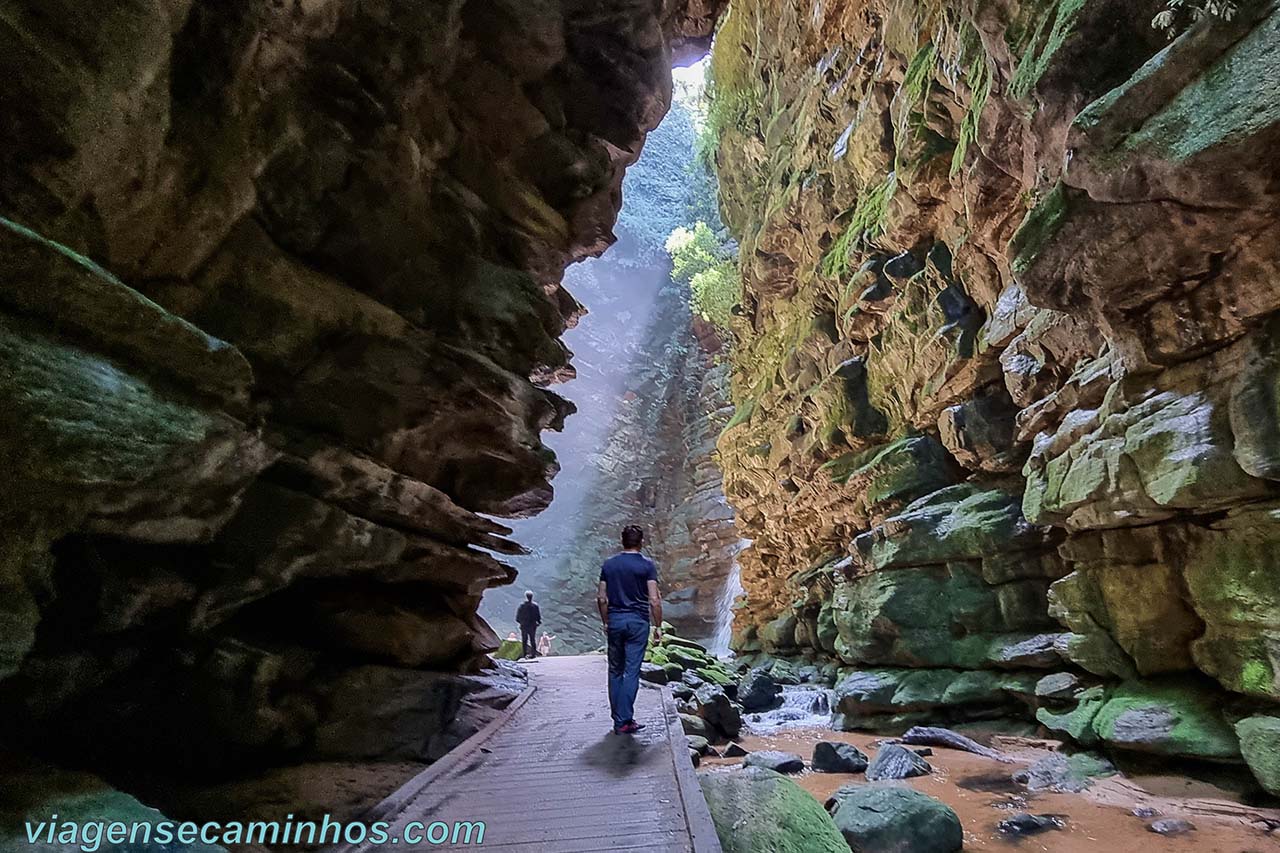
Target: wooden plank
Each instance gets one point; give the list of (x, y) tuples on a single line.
[(551, 776)]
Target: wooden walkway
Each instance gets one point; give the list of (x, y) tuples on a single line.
[(553, 778)]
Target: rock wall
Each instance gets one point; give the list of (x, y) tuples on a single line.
[(1006, 366), (281, 299)]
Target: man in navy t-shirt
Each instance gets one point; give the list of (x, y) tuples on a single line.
[(628, 598)]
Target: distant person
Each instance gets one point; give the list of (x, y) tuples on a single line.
[(544, 643), (628, 599), (528, 617)]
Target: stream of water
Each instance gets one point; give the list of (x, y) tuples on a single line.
[(803, 706)]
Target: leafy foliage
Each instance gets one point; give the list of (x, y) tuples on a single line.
[(1180, 14), (705, 262)]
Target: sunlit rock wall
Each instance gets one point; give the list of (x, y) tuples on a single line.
[(1006, 381)]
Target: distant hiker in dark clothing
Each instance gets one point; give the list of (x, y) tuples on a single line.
[(529, 617), (628, 598)]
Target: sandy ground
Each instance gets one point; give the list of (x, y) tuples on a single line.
[(1100, 819)]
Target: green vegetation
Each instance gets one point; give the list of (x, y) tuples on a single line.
[(706, 263), (866, 223), (733, 95), (1043, 44)]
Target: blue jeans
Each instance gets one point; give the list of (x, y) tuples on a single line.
[(628, 636)]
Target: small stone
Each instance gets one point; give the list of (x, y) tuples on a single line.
[(698, 743), (695, 756), (779, 762), (1144, 812), (757, 691), (923, 752), (896, 762), (831, 757), (733, 750), (1028, 824), (653, 673), (1171, 826)]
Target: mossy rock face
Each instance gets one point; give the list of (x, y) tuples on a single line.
[(945, 615), (759, 811), (1233, 576), (865, 699), (1179, 718), (1077, 722), (1260, 746), (957, 523)]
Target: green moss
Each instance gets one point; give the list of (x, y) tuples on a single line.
[(741, 415), (865, 223), (1044, 43), (1041, 225), (979, 78), (1173, 717)]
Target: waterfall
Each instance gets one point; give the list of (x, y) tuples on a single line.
[(719, 645), (799, 706)]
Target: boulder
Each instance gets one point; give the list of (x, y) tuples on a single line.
[(713, 705), (1260, 746), (757, 691), (1178, 718), (653, 673), (778, 762), (1064, 774), (893, 819), (696, 726), (894, 761), (732, 750), (698, 744), (831, 757), (758, 811), (1028, 824)]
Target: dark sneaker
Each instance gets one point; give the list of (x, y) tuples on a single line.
[(629, 728)]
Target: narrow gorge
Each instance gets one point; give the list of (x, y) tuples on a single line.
[(328, 328)]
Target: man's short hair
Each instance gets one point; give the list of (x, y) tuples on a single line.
[(528, 594), (632, 536)]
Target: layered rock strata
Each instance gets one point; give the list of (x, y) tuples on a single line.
[(1006, 373), (281, 299)]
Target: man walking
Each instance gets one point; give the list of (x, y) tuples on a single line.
[(628, 598), (529, 617)]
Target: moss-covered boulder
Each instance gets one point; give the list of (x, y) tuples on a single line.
[(759, 811), (1260, 746), (1233, 576), (1176, 717), (886, 818)]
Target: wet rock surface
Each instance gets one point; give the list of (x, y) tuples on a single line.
[(838, 758), (884, 819), (778, 762), (892, 761), (1005, 364)]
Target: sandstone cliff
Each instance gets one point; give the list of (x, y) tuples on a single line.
[(281, 299), (1006, 368)]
